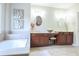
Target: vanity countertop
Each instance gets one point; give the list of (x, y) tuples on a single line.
[(42, 32)]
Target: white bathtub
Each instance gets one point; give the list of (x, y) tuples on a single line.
[(13, 47)]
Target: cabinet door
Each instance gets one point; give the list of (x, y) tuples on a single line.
[(44, 41), (69, 38), (35, 41), (61, 38)]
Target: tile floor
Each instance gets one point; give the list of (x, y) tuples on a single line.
[(61, 50)]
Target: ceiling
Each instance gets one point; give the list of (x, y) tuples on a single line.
[(56, 5)]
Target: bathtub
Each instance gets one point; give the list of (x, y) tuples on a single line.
[(14, 47)]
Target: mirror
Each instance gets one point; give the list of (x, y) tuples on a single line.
[(38, 20)]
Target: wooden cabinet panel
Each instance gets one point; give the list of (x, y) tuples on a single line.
[(44, 41), (65, 38), (61, 38), (35, 41), (69, 38)]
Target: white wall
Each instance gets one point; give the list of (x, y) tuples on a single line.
[(2, 20), (49, 19)]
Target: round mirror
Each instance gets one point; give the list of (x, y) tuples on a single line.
[(38, 20)]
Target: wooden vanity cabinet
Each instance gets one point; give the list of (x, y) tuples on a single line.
[(39, 39), (42, 39), (64, 38)]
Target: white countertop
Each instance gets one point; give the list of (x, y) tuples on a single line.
[(41, 32)]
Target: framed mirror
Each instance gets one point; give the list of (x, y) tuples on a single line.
[(38, 20)]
